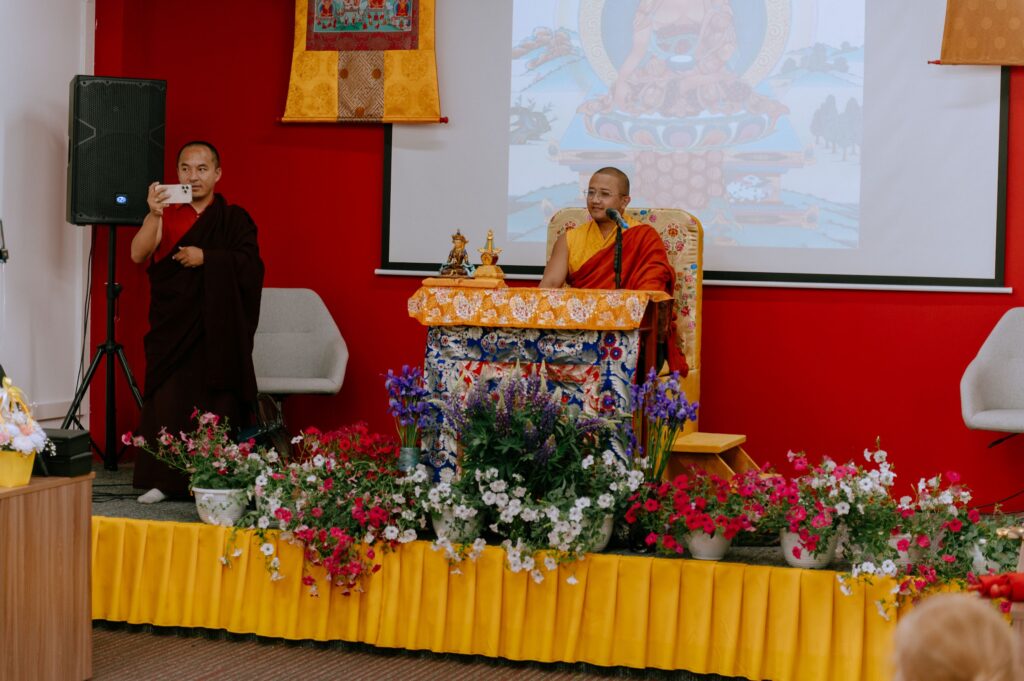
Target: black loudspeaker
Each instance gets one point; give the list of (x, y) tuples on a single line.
[(115, 148)]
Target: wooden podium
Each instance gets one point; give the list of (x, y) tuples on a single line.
[(45, 597)]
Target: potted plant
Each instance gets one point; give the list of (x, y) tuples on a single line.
[(698, 510), (804, 513), (221, 472), (342, 498), (20, 437), (660, 409), (535, 463), (409, 403)]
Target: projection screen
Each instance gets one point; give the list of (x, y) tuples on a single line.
[(811, 137)]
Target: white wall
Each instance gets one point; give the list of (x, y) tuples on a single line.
[(43, 44)]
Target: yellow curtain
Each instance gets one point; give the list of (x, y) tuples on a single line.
[(363, 61), (751, 621), (983, 32)]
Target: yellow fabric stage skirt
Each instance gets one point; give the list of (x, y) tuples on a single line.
[(723, 618)]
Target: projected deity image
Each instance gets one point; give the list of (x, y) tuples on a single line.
[(745, 112)]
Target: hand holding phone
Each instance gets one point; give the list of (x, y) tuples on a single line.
[(176, 193)]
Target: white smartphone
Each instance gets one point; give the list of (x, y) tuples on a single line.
[(178, 193)]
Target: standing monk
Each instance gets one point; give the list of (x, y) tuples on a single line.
[(206, 278), (584, 257)]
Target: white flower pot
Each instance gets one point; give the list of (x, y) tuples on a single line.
[(806, 559), (455, 530), (703, 546), (220, 506), (605, 536)]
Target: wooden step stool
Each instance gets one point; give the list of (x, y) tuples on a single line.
[(717, 453)]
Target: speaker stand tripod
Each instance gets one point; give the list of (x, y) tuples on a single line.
[(111, 350)]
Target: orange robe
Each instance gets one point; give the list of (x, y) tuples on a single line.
[(645, 267)]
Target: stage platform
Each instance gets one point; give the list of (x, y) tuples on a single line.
[(748, 617)]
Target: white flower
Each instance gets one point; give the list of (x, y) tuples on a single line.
[(605, 501), (369, 538), (868, 568), (550, 563), (263, 523), (391, 533), (842, 508), (311, 478), (608, 457), (407, 536), (448, 474), (501, 500), (297, 439), (261, 480), (272, 456), (537, 575), (236, 553), (489, 498), (587, 462), (583, 502), (519, 492), (318, 461), (865, 484), (888, 568), (267, 549), (275, 563), (575, 514), (398, 498), (528, 563), (276, 576), (498, 486), (571, 579)]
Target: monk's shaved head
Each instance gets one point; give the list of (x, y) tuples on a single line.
[(618, 175)]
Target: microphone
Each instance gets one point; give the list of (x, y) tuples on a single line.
[(620, 225)]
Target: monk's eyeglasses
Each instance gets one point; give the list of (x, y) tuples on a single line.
[(590, 194)]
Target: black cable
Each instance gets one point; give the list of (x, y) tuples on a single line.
[(997, 503)]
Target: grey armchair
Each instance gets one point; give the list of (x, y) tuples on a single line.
[(992, 387), (298, 348)]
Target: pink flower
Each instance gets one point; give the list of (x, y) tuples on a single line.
[(819, 521), (126, 439), (651, 539), (955, 525), (283, 514), (948, 558), (923, 541), (797, 552), (973, 515), (651, 505), (903, 545), (953, 477)]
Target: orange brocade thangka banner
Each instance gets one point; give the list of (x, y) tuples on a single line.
[(984, 32), (363, 61)]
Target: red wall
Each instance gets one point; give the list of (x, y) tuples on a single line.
[(821, 370)]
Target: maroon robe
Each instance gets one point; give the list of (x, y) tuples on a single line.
[(645, 267), (199, 346)]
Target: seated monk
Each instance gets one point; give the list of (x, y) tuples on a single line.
[(584, 257)]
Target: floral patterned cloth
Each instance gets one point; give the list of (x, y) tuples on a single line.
[(533, 308), (593, 368)]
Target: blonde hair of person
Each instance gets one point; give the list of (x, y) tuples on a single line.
[(955, 637)]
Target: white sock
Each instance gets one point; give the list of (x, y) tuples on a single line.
[(153, 496)]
